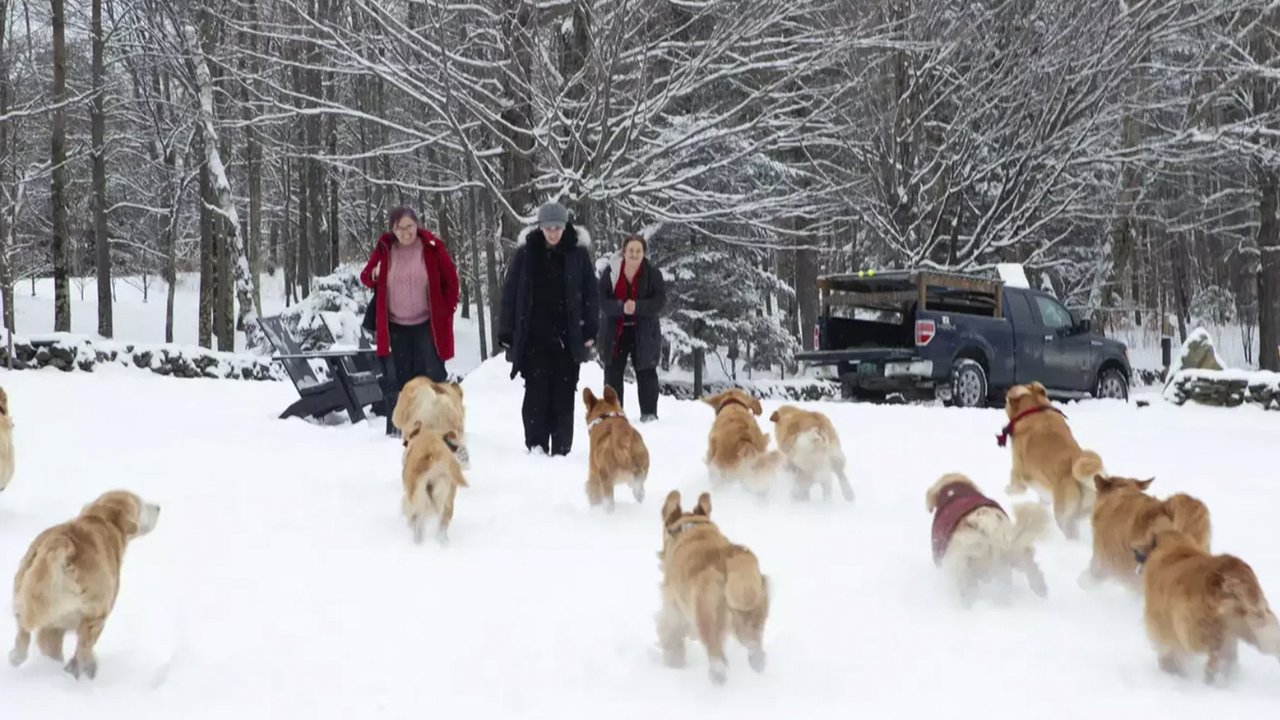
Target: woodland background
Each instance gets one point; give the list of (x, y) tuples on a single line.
[(1127, 153)]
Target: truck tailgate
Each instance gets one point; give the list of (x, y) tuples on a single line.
[(854, 355)]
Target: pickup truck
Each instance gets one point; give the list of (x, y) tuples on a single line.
[(962, 339)]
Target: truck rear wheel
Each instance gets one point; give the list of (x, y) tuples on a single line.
[(968, 384)]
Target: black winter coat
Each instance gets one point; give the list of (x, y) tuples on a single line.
[(651, 298), (570, 324)]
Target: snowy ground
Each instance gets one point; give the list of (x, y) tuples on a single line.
[(282, 582)]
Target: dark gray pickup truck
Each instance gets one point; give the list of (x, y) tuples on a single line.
[(959, 338)]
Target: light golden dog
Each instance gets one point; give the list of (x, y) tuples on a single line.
[(440, 409), (618, 452), (1047, 457), (1196, 603), (6, 441), (1123, 515), (808, 441), (70, 576), (431, 476), (737, 450), (709, 586), (974, 541)]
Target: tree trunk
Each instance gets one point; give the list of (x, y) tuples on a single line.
[(101, 238), (58, 183), (1269, 270), (238, 257), (6, 270), (253, 156), (208, 293)]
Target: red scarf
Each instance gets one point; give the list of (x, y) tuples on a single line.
[(624, 291)]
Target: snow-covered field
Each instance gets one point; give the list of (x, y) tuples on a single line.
[(282, 582)]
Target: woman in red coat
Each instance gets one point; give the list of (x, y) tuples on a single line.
[(415, 286)]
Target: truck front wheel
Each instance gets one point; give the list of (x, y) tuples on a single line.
[(1111, 384), (968, 384)]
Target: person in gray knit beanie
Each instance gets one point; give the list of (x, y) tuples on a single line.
[(549, 322), (552, 213)]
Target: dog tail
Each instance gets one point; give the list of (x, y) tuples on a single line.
[(1087, 466), (812, 439), (745, 588), (1190, 516), (1030, 524), (49, 571), (1244, 598)]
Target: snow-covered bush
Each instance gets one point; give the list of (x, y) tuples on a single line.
[(340, 293)]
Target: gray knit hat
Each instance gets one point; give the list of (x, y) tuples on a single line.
[(552, 214)]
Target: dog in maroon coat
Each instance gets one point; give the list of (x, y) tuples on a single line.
[(975, 542)]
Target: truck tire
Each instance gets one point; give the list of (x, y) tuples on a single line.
[(1111, 384), (968, 384)]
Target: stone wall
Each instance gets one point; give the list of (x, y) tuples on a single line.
[(68, 352), (1225, 388)]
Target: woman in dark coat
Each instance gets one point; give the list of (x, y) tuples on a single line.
[(632, 296), (548, 324), (415, 287)]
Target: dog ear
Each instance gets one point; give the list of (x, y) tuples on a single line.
[(714, 400), (1103, 483), (704, 505), (588, 398), (755, 406), (1144, 484), (931, 498), (774, 417), (414, 429), (671, 507), (610, 395), (1038, 388)]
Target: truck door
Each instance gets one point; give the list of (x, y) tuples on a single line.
[(1028, 337), (1066, 354)]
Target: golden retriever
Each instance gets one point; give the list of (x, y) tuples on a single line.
[(709, 586), (1124, 514), (974, 541), (618, 453), (808, 441), (431, 475), (70, 576), (6, 441), (440, 409), (737, 450), (1047, 457), (1196, 603)]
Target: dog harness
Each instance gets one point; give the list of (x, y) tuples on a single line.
[(604, 417), (955, 501), (1006, 432)]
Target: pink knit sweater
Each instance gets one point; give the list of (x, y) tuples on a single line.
[(408, 302)]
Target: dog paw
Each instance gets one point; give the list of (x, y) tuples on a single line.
[(89, 668), (17, 656), (718, 672), (673, 658), (756, 659), (442, 538), (638, 492)]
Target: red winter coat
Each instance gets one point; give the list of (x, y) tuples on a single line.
[(443, 288)]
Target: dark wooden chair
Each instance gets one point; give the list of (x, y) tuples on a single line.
[(348, 387)]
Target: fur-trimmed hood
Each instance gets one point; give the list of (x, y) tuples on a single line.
[(572, 237)]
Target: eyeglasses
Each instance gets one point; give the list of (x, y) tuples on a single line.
[(406, 228)]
